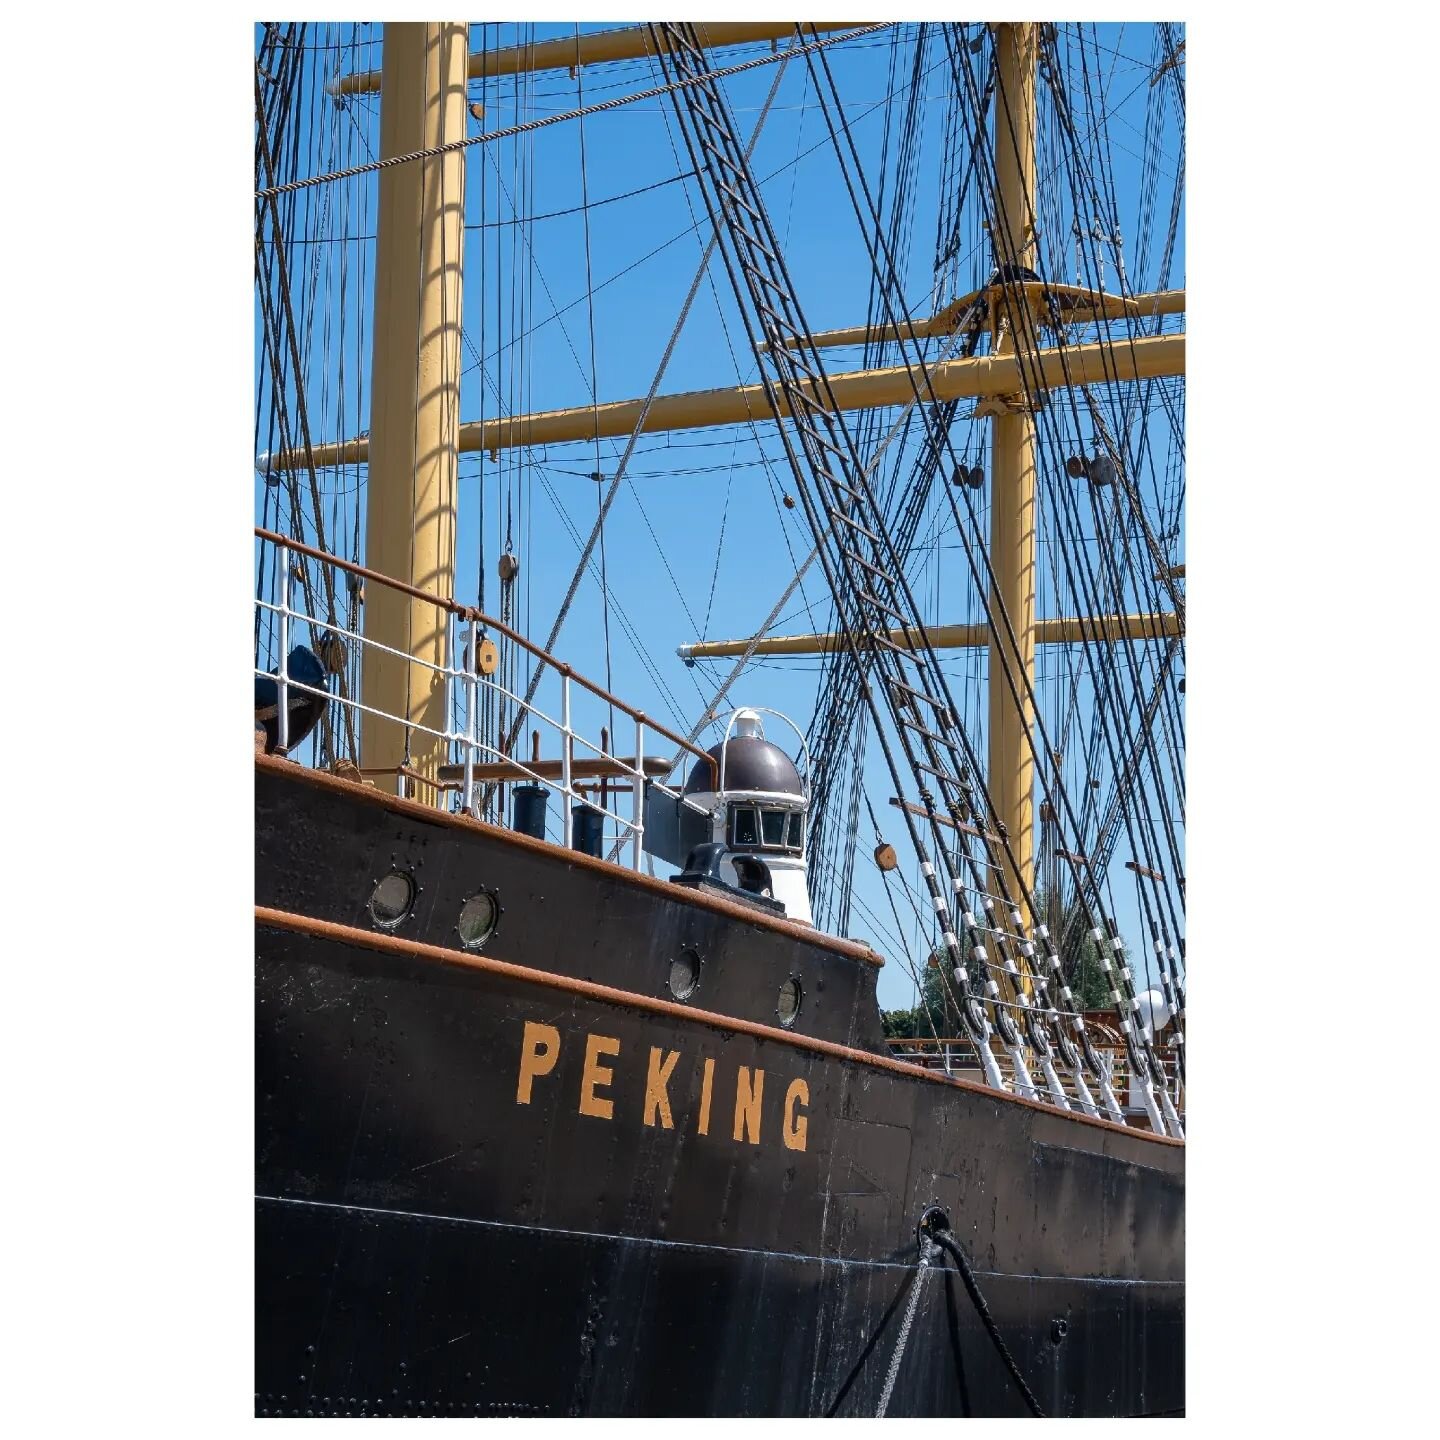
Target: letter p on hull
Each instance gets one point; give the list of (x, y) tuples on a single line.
[(539, 1051)]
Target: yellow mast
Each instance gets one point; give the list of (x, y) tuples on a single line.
[(415, 395), (986, 376), (1012, 469), (416, 434)]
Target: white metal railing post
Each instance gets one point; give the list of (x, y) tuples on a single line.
[(567, 817), (472, 690), (282, 686), (637, 830)]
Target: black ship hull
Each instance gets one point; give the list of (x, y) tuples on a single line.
[(527, 1180)]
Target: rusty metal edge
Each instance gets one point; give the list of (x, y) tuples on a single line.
[(854, 949), (417, 950)]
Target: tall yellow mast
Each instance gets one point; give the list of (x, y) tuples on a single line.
[(1012, 465), (416, 434), (415, 395)]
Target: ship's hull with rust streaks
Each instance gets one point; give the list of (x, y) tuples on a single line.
[(528, 1181)]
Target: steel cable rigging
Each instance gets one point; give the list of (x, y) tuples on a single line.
[(1095, 929), (760, 261)]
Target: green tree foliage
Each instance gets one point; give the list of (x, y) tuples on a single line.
[(927, 1018), (1087, 981), (936, 1014), (1079, 954)]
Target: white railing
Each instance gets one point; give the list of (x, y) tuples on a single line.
[(958, 1053), (481, 767)]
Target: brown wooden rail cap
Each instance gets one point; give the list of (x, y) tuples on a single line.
[(609, 994)]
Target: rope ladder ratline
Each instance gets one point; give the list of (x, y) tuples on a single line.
[(1099, 937), (1144, 739), (885, 269), (798, 378), (863, 550), (1033, 388)]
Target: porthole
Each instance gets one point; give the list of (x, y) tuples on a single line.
[(788, 1006), (684, 974), (391, 899), (478, 916)]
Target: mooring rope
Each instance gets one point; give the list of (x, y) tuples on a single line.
[(944, 1239), (927, 1254)]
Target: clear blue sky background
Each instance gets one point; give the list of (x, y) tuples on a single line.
[(697, 543)]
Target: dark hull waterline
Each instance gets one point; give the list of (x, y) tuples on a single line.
[(528, 1181)]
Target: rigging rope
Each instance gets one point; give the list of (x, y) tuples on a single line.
[(960, 780), (947, 1242), (1107, 664), (544, 120), (1118, 573), (275, 320), (660, 369), (594, 375), (1031, 388), (917, 1286)]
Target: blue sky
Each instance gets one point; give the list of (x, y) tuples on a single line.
[(698, 543)]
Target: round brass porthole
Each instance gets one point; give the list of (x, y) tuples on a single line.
[(478, 917), (391, 899), (684, 974), (788, 1005)]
